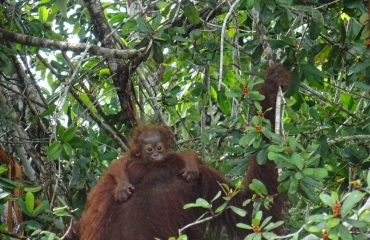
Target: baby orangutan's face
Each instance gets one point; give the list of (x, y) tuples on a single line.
[(153, 148)]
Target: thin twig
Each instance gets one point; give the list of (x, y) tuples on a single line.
[(196, 222), (222, 43), (279, 111), (292, 234), (56, 112), (178, 5), (327, 4), (13, 235), (350, 117), (327, 100), (348, 138), (68, 229)]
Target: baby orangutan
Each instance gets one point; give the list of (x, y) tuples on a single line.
[(150, 144)]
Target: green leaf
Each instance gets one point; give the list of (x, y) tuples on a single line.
[(256, 121), (62, 5), (262, 157), (217, 196), (365, 216), (273, 225), (362, 86), (358, 68), (69, 134), (40, 208), (368, 179), (3, 168), (284, 2), (276, 44), (298, 176), (344, 233), (314, 30), (355, 223), (316, 173), (104, 72), (266, 221), (313, 229), (22, 204), (156, 21), (273, 156), (9, 184), (298, 161), (243, 226), (182, 237), (308, 191), (129, 26), (257, 53), (323, 54), (254, 236), (257, 218), (258, 187), (108, 156), (353, 4), (293, 186), (49, 111), (233, 93), (275, 148), (157, 52), (33, 189), (141, 25), (4, 195), (30, 202), (311, 72), (351, 200), (54, 150), (255, 96), (327, 200), (191, 13), (257, 143), (200, 202), (221, 207), (51, 236), (238, 211), (195, 34), (6, 65), (316, 218), (246, 202), (317, 17), (268, 235), (332, 222), (43, 13), (248, 139), (67, 149)]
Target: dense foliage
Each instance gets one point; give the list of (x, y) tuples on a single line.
[(66, 110)]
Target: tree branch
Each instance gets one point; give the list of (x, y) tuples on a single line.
[(324, 99), (110, 130), (66, 46), (121, 72), (349, 138)]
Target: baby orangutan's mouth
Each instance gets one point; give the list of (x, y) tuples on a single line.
[(157, 158)]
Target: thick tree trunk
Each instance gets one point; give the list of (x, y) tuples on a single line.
[(120, 71)]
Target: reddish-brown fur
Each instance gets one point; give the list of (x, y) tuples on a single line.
[(156, 207), (153, 137)]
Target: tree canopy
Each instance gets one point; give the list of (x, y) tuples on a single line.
[(77, 76)]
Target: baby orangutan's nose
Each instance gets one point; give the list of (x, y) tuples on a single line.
[(157, 156)]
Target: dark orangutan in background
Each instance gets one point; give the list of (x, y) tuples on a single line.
[(156, 207), (149, 144)]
